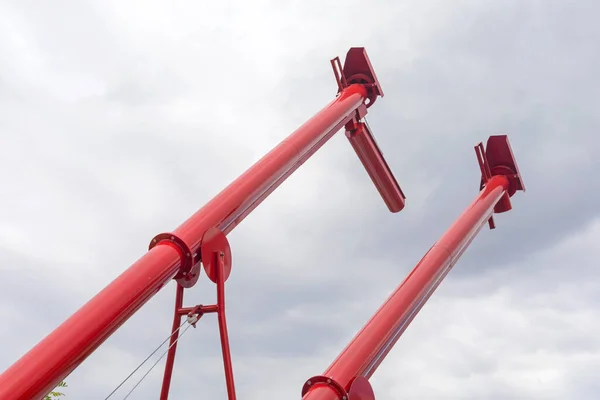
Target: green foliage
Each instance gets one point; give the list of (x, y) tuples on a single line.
[(56, 395)]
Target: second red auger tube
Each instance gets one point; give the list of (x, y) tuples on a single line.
[(347, 377)]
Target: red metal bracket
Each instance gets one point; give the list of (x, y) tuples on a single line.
[(359, 389), (497, 158), (357, 69), (215, 241), (321, 380), (199, 310), (189, 272), (216, 259)]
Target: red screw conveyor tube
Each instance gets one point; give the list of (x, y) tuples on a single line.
[(347, 378), (177, 255)]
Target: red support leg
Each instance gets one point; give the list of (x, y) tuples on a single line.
[(164, 392), (219, 260)]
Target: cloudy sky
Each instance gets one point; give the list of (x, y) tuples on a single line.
[(120, 119)]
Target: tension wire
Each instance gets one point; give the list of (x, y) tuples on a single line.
[(147, 358)]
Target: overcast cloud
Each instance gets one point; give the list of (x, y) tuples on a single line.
[(120, 119)]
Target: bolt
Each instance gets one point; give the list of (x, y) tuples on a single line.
[(328, 380), (308, 383)]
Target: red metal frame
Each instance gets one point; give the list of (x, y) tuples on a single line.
[(200, 241)]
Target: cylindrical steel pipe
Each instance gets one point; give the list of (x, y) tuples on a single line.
[(43, 367), (370, 346)]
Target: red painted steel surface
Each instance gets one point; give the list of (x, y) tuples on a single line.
[(176, 255), (371, 345)]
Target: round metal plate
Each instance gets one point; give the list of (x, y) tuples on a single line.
[(191, 277), (215, 241), (361, 389)]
